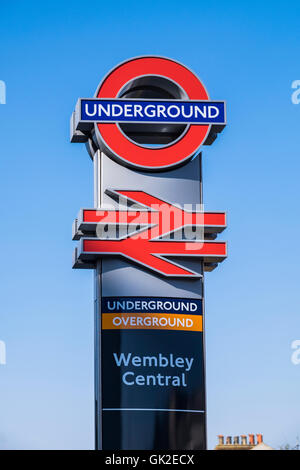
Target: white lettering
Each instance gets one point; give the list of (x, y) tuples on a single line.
[(177, 111), (128, 110), (137, 110), (210, 112), (105, 111), (91, 114), (114, 110), (150, 110), (161, 110), (198, 111)]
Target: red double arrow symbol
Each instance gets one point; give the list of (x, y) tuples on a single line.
[(146, 245)]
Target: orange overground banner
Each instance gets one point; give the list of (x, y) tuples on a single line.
[(154, 321)]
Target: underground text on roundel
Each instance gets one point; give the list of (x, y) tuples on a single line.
[(135, 364)]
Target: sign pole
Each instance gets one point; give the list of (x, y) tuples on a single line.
[(97, 313), (176, 433), (97, 358)]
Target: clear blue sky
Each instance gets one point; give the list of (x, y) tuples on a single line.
[(54, 52)]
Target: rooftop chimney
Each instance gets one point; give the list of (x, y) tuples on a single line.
[(221, 439), (259, 438), (244, 439), (251, 440), (228, 440), (236, 440)]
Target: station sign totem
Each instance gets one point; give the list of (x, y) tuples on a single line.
[(149, 242)]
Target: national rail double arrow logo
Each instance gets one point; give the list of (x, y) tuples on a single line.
[(145, 240)]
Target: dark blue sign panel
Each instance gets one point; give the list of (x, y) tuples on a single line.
[(159, 374), (151, 111)]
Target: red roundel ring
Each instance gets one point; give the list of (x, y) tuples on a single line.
[(134, 155)]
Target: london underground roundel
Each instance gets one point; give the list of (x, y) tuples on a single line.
[(150, 113)]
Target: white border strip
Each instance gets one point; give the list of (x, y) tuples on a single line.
[(152, 409)]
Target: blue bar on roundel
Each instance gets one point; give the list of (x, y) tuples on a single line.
[(151, 111)]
